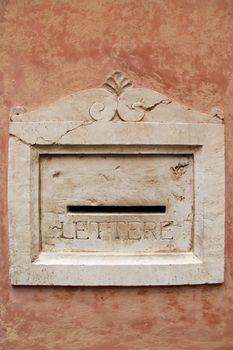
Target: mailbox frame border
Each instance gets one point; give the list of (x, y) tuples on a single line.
[(27, 268)]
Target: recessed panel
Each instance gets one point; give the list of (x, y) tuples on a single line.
[(116, 203)]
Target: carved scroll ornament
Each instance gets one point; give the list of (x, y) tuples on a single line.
[(126, 102)]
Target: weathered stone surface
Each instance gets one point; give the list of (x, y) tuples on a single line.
[(116, 186), (154, 193)]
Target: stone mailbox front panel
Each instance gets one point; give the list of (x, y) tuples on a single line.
[(116, 186), (116, 203)]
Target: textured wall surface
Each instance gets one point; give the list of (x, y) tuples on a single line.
[(51, 48)]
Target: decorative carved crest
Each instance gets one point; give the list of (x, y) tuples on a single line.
[(116, 100), (129, 105)]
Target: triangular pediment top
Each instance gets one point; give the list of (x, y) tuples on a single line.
[(116, 100)]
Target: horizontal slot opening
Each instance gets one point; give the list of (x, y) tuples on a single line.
[(110, 209)]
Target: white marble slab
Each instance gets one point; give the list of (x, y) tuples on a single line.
[(116, 186)]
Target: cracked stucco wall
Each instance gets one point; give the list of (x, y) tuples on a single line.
[(182, 49)]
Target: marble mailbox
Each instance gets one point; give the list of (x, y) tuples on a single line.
[(116, 186)]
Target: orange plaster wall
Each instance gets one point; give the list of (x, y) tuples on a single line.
[(51, 48)]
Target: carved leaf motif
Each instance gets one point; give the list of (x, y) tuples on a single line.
[(117, 83)]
